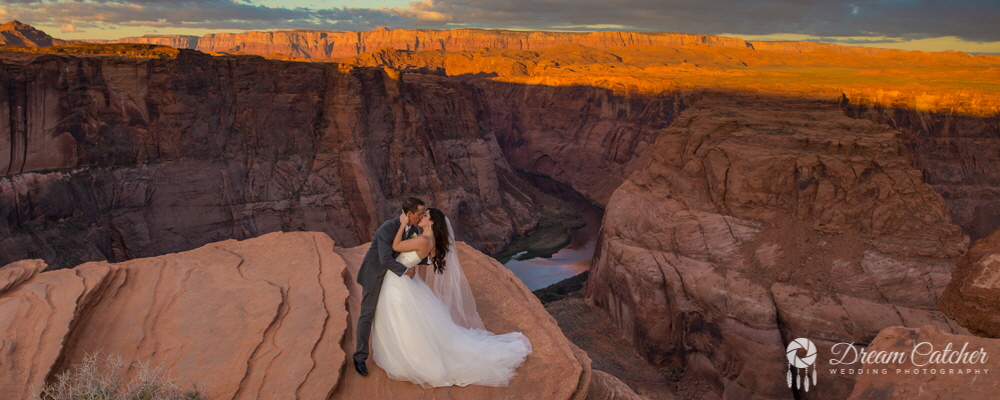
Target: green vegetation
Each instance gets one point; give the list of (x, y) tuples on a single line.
[(550, 237), (569, 287)]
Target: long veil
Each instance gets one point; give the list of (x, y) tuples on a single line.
[(453, 288)]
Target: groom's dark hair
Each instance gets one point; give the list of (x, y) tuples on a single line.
[(412, 204)]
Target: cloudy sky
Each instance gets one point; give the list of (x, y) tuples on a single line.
[(964, 25)]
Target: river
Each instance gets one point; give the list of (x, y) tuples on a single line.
[(540, 272)]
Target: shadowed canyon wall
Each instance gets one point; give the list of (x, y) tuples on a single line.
[(114, 158), (589, 137), (957, 151), (760, 220)]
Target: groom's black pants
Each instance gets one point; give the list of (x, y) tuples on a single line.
[(369, 299)]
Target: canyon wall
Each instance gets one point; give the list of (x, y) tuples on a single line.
[(114, 158), (758, 220), (333, 44), (972, 295), (952, 140), (589, 137), (175, 41)]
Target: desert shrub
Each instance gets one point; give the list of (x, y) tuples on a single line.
[(86, 382)]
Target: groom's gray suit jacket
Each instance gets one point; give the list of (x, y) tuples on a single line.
[(379, 259)]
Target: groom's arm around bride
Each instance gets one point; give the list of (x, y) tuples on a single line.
[(386, 256)]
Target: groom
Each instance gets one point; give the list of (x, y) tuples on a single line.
[(379, 259)]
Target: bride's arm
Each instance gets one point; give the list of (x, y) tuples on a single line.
[(418, 244), (396, 240)]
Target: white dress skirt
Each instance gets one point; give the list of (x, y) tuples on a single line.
[(414, 339)]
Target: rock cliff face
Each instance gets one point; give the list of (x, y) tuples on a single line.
[(324, 44), (114, 158), (270, 317), (589, 137), (332, 44), (175, 41), (760, 220), (929, 379), (953, 142), (973, 295)]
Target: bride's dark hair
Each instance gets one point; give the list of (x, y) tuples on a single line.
[(440, 228)]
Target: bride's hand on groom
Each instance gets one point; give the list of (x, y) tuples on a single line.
[(403, 219)]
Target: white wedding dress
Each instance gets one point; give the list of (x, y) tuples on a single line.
[(414, 338)]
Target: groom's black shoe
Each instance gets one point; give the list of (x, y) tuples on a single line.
[(361, 367)]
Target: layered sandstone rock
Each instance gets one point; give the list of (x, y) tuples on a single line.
[(270, 317), (605, 386), (588, 131), (175, 41), (113, 158), (791, 47), (967, 371), (759, 220), (952, 139), (239, 319), (329, 44), (332, 44), (973, 295), (957, 114), (589, 137)]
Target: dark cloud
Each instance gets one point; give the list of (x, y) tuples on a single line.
[(212, 14), (972, 20)]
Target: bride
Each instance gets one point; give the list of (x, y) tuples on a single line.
[(434, 337)]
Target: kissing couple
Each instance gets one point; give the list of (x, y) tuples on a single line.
[(428, 333)]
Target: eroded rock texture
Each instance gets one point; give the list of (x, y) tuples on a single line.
[(265, 318), (952, 141), (589, 137), (114, 158), (240, 319), (931, 380), (973, 295), (321, 44), (760, 220), (333, 44)]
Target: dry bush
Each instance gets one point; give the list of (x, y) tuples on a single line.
[(86, 382)]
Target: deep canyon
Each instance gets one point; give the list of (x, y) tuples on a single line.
[(754, 193)]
